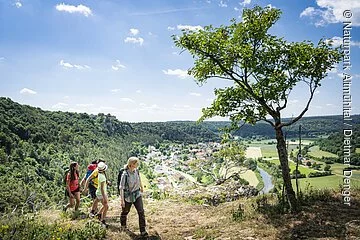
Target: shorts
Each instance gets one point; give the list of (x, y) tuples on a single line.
[(100, 197), (92, 191), (73, 192)]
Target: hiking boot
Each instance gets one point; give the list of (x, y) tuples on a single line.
[(92, 214), (104, 224), (98, 216), (144, 234)]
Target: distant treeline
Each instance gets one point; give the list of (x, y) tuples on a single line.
[(36, 146)]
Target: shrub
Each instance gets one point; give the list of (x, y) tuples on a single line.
[(33, 228), (239, 214)]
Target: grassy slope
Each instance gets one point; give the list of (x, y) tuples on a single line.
[(175, 220)]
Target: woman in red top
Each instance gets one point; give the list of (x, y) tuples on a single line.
[(72, 186)]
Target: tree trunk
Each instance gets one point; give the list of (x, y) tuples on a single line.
[(283, 158)]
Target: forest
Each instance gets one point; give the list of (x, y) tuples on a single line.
[(36, 146)]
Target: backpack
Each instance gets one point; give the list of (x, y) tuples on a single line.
[(121, 172), (90, 169)]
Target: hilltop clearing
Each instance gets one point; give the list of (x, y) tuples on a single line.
[(324, 218)]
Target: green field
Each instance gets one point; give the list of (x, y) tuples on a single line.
[(269, 151), (268, 147), (316, 152), (336, 168), (332, 181), (292, 165), (246, 174)]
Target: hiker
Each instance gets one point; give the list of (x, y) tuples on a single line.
[(130, 193), (72, 186), (91, 181), (101, 192)]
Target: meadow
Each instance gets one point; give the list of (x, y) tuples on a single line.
[(317, 153), (269, 152)]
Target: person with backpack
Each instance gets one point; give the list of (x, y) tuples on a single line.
[(130, 189), (92, 184), (101, 192), (72, 186)]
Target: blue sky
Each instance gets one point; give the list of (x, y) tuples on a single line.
[(118, 57)]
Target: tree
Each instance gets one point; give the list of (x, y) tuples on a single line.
[(225, 163), (263, 68), (327, 168)]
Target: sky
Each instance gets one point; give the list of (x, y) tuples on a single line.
[(118, 56)]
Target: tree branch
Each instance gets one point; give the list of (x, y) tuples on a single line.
[(312, 91)]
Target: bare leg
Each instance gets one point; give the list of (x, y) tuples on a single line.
[(77, 198), (95, 205), (71, 203), (104, 209)]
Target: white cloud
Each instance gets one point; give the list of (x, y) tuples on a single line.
[(115, 90), (236, 9), (138, 40), (170, 28), (332, 11), (337, 41), (18, 4), (189, 27), (270, 6), (222, 4), (84, 10), (59, 105), (138, 91), (126, 100), (316, 92), (104, 108), (177, 72), (134, 31), (2, 59), (195, 94), (330, 105), (84, 105), (245, 2), (67, 65), (27, 91), (117, 66)]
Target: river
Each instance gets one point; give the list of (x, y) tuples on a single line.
[(268, 185)]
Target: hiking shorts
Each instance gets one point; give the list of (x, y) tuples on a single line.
[(92, 191), (73, 192)]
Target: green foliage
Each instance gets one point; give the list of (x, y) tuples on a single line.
[(264, 68), (335, 144), (34, 228), (238, 215)]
